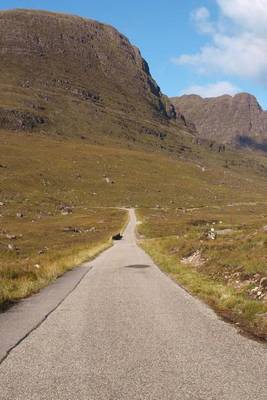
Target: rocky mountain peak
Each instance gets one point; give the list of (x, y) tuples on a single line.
[(238, 120)]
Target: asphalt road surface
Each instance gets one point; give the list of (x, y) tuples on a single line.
[(128, 332)]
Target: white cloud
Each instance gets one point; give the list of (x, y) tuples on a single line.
[(212, 89), (243, 53), (249, 14), (201, 17)]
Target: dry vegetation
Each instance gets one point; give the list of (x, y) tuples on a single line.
[(79, 139), (38, 247), (228, 272), (42, 177)]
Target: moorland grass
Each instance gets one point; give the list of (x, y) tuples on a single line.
[(40, 174), (44, 247), (230, 266)]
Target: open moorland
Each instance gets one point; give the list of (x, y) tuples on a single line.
[(85, 132)]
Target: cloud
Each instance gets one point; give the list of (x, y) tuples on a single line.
[(242, 53), (250, 15), (201, 17), (212, 89)]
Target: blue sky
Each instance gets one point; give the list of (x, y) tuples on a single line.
[(208, 47)]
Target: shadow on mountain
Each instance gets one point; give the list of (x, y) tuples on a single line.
[(245, 141)]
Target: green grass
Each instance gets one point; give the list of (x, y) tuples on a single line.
[(230, 266)]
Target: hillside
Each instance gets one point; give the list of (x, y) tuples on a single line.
[(69, 76), (237, 120)]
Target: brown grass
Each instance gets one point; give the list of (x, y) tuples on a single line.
[(230, 266), (46, 246)]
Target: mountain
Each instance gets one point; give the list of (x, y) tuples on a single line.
[(69, 76), (237, 120)]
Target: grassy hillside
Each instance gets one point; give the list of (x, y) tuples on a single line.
[(51, 190), (68, 76)]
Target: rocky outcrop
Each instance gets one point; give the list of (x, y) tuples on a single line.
[(237, 120), (18, 120)]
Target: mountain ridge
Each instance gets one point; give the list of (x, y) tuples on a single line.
[(236, 120), (58, 66)]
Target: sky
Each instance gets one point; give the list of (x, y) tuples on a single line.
[(208, 47)]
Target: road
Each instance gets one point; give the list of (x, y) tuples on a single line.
[(128, 332)]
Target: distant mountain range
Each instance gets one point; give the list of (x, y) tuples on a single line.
[(237, 120)]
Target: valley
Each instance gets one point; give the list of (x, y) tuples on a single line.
[(86, 132)]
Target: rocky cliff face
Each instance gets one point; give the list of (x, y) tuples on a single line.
[(237, 120), (71, 76)]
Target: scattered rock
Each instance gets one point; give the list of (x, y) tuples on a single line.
[(11, 237), (194, 259), (72, 229), (263, 282), (19, 120), (65, 210), (118, 236), (212, 234), (42, 251)]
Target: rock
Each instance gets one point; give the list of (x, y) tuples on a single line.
[(118, 236), (72, 229), (263, 282), (19, 120), (212, 234), (19, 215), (194, 259), (1, 204), (11, 247), (66, 211), (11, 237), (37, 266)]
